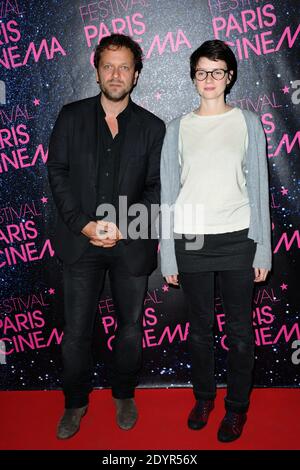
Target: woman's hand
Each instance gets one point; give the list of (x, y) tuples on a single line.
[(173, 279), (260, 274)]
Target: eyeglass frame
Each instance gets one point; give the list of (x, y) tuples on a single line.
[(211, 72)]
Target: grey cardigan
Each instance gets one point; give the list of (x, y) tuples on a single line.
[(256, 174)]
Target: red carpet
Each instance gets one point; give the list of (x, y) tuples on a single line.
[(28, 421)]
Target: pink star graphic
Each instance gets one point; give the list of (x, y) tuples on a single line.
[(51, 291), (165, 288), (284, 286), (44, 199), (158, 96), (36, 102), (285, 90), (284, 191)]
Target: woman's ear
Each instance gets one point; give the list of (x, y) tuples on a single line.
[(230, 76)]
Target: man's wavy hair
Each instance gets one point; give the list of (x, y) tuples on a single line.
[(117, 41)]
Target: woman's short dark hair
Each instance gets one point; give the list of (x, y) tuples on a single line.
[(215, 50), (120, 40)]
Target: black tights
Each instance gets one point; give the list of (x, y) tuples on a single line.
[(236, 292)]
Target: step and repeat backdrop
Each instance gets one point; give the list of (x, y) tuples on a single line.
[(46, 52)]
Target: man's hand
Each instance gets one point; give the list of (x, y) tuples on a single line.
[(89, 230), (102, 233), (93, 232)]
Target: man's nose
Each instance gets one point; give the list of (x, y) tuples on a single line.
[(116, 72)]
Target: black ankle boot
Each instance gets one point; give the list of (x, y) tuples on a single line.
[(198, 417), (232, 426)]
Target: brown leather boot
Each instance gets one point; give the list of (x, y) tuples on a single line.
[(127, 413), (69, 423)]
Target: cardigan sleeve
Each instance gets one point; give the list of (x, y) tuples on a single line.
[(170, 185), (263, 255)]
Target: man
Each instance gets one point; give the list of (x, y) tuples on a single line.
[(104, 149)]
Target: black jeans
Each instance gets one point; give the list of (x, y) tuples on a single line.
[(83, 284), (236, 292)]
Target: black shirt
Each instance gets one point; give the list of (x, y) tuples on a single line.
[(109, 154)]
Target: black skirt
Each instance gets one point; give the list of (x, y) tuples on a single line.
[(220, 252)]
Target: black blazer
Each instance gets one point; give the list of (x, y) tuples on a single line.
[(72, 169)]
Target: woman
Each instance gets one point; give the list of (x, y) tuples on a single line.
[(214, 161)]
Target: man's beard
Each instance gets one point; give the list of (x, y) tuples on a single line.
[(118, 95)]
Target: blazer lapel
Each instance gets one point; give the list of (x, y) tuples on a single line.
[(131, 132), (93, 135), (89, 138)]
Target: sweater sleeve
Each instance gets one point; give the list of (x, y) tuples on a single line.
[(263, 255)]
